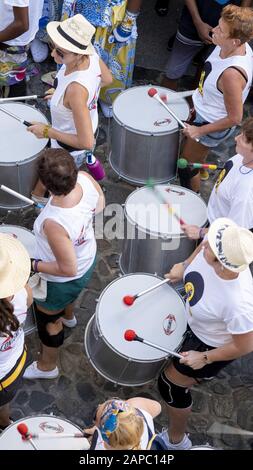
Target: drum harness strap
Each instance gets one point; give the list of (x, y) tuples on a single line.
[(15, 373)]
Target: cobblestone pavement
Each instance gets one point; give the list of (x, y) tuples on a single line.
[(225, 400)]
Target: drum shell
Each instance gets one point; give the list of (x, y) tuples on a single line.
[(136, 157), (117, 368)]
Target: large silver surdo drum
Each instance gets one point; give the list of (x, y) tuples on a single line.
[(154, 240), (28, 239), (158, 317), (19, 152), (145, 137)]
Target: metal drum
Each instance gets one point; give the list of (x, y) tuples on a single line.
[(158, 317), (26, 237), (154, 241), (203, 447), (53, 433), (19, 152), (145, 137)]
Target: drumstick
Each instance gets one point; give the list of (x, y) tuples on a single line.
[(164, 201), (176, 96), (183, 163), (130, 299), (153, 93), (130, 335), (23, 430), (23, 121), (22, 98), (20, 196), (49, 436)]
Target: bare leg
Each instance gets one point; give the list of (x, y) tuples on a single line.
[(178, 417), (39, 189), (69, 314), (5, 415), (194, 152)]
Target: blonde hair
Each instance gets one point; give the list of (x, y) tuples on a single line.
[(129, 430), (239, 21)]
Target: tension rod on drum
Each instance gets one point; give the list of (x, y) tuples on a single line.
[(130, 335)]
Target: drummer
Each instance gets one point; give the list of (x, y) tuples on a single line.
[(124, 424), (232, 195), (74, 102), (66, 251), (223, 88), (15, 299), (220, 319)]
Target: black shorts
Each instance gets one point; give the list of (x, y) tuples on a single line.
[(193, 343), (9, 392)]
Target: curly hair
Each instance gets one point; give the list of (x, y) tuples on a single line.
[(239, 21), (57, 171), (8, 321), (247, 130)]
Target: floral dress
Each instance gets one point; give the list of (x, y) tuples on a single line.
[(119, 57)]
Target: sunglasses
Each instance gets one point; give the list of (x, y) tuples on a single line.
[(58, 51)]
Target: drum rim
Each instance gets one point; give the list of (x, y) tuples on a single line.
[(20, 162), (164, 237), (96, 317), (149, 133)]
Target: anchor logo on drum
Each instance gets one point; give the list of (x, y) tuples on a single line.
[(169, 324), (162, 122), (49, 427)]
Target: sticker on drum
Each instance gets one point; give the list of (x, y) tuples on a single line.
[(137, 111), (51, 430), (24, 235), (114, 357)]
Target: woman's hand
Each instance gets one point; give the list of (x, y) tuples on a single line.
[(192, 231), (176, 273), (49, 93), (37, 129), (204, 30), (193, 359), (90, 430), (193, 132)]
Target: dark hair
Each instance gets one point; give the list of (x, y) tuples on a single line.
[(57, 171), (247, 130), (8, 321), (239, 21)]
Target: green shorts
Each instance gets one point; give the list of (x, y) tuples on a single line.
[(61, 294)]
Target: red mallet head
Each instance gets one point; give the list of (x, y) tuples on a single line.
[(130, 335), (128, 300), (23, 430), (152, 92)]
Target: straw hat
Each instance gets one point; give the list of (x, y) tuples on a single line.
[(15, 265), (73, 34), (231, 244)]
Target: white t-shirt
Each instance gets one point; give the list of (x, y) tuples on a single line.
[(217, 308), (77, 221), (232, 194), (11, 348), (7, 17), (144, 437)]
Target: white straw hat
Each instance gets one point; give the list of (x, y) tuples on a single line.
[(73, 34), (15, 265), (231, 244)]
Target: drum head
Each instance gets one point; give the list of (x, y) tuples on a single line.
[(23, 235), (144, 209), (158, 317), (48, 427), (17, 144), (138, 112)]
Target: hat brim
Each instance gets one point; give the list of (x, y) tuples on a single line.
[(64, 43), (18, 270), (211, 236)]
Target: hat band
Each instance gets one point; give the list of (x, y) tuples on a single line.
[(70, 39), (221, 255)]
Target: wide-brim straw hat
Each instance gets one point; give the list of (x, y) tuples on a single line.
[(73, 35), (15, 265), (231, 244)]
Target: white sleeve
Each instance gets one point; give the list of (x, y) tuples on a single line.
[(239, 319), (17, 3), (241, 210)]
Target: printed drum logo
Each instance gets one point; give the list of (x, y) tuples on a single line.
[(162, 122), (49, 427), (169, 324)]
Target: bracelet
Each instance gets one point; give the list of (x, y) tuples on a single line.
[(202, 233), (45, 131), (35, 265)]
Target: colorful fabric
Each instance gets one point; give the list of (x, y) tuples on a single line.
[(109, 421), (119, 57), (13, 64), (51, 12)]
